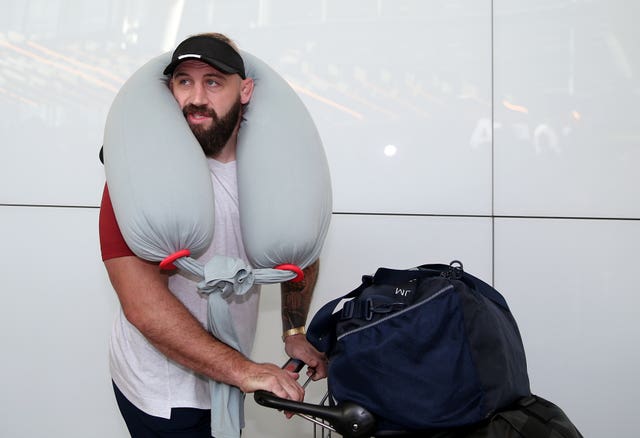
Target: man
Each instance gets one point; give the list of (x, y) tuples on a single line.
[(161, 356)]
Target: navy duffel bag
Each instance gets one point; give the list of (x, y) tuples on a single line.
[(431, 347)]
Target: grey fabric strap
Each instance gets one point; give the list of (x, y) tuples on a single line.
[(227, 275), (223, 277), (227, 413)]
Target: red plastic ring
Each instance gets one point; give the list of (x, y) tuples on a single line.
[(167, 263), (293, 268)]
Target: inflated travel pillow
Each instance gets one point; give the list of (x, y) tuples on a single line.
[(161, 192)]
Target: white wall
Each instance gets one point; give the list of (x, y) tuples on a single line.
[(516, 152)]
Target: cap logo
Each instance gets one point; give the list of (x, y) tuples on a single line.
[(189, 55)]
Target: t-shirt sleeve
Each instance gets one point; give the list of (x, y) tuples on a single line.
[(112, 244)]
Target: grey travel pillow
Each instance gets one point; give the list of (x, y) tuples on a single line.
[(160, 186)]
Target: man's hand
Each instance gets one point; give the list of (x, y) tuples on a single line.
[(272, 378), (298, 347)]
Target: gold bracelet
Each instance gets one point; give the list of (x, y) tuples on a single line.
[(294, 331)]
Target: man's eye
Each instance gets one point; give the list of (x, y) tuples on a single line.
[(184, 82), (211, 83)]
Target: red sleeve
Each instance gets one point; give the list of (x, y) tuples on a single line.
[(112, 243)]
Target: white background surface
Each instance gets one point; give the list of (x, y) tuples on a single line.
[(516, 138)]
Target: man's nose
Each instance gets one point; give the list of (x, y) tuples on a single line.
[(198, 95)]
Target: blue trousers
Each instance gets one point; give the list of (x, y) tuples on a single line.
[(184, 422)]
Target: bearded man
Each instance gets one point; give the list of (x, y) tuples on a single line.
[(161, 355)]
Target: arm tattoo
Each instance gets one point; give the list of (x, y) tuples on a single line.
[(296, 298)]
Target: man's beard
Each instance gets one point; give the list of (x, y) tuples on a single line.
[(215, 137)]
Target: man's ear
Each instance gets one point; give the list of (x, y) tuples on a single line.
[(246, 90)]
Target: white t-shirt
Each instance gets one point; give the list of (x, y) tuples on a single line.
[(147, 378)]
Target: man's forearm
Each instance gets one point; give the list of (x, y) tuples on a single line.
[(296, 298), (167, 324), (149, 305)]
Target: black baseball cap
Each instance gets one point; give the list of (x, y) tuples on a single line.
[(211, 50)]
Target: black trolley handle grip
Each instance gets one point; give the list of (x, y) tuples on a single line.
[(348, 419)]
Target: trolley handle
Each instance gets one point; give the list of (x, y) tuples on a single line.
[(348, 419), (294, 365)]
